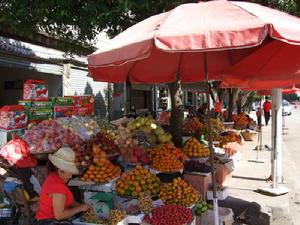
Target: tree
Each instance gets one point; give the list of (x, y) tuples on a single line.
[(79, 21)]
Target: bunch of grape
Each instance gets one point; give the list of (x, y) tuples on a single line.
[(115, 216), (145, 204)]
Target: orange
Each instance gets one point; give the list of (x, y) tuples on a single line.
[(138, 188)]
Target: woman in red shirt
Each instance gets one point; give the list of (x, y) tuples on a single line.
[(56, 200)]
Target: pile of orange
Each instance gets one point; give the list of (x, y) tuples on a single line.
[(179, 193), (166, 162), (102, 171), (193, 148), (241, 119), (169, 149), (138, 182)]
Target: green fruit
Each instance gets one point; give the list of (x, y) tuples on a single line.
[(204, 208), (198, 212), (210, 206)]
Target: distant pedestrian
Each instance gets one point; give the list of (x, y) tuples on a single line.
[(267, 110)]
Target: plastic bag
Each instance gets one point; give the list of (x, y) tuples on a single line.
[(16, 152)]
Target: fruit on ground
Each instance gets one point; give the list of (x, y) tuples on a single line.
[(170, 215), (138, 182), (179, 192), (193, 148)]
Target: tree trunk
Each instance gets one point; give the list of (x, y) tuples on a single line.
[(233, 94), (117, 102), (176, 119)]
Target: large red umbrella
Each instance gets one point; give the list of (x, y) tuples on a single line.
[(276, 64), (292, 90), (191, 43), (172, 44)]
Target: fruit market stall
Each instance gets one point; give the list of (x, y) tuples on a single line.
[(128, 168)]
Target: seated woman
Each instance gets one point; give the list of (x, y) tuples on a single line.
[(56, 200)]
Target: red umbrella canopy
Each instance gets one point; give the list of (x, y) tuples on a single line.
[(171, 45), (293, 90), (273, 65)]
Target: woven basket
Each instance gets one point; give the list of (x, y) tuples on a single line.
[(240, 127), (249, 136)]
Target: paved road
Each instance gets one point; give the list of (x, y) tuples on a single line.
[(291, 162)]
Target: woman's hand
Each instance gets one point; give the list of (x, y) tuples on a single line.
[(83, 207)]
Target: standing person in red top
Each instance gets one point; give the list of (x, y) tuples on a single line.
[(267, 110), (57, 203)]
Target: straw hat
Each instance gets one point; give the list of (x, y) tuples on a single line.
[(64, 159)]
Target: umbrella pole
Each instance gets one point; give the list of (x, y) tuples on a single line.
[(274, 188), (210, 145)]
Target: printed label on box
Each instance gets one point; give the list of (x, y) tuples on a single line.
[(13, 119), (35, 90), (63, 111)]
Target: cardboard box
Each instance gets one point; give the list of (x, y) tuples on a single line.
[(39, 114), (84, 111), (222, 194), (200, 183), (63, 111), (101, 202), (223, 174), (13, 117), (62, 101), (35, 90), (84, 100), (28, 104)]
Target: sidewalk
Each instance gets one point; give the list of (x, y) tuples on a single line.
[(247, 177)]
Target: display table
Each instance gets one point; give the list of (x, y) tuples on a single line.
[(79, 222), (91, 186)]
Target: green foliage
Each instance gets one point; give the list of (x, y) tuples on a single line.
[(79, 21), (289, 6), (290, 97)]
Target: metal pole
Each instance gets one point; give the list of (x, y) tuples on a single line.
[(210, 145), (125, 98), (276, 136)]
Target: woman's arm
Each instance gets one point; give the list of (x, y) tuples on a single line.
[(58, 201)]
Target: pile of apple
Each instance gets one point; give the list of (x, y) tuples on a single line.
[(50, 136), (191, 126), (105, 143), (134, 155), (163, 118)]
